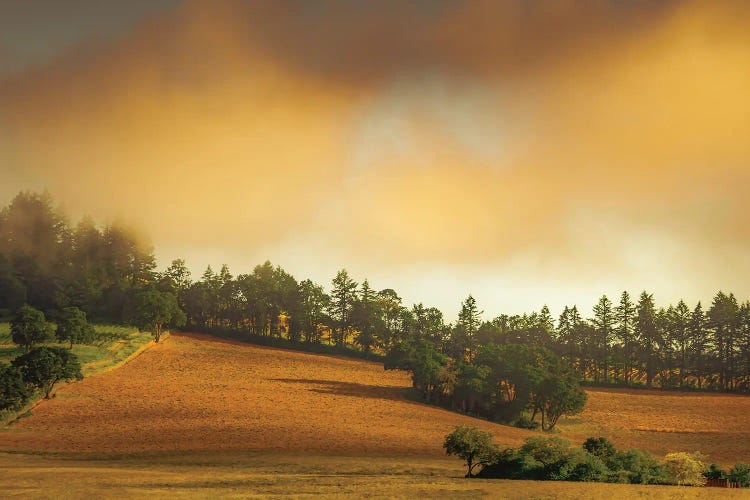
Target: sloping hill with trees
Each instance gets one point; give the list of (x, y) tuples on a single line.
[(195, 392), (198, 393)]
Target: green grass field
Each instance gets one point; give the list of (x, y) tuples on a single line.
[(113, 344)]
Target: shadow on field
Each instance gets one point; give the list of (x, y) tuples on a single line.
[(394, 393)]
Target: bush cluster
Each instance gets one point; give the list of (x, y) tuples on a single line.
[(555, 459)]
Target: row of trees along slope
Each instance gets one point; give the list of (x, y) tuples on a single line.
[(49, 263)]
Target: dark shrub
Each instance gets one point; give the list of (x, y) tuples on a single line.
[(740, 473)]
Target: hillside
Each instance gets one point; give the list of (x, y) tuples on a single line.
[(199, 393), (195, 392)]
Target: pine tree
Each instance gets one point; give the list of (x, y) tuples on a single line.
[(680, 335), (698, 357), (624, 333), (722, 319), (469, 319), (343, 297), (604, 321), (647, 335)]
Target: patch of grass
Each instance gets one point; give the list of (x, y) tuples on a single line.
[(112, 345), (5, 334)]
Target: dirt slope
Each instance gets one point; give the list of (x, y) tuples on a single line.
[(198, 393), (195, 392), (717, 425)]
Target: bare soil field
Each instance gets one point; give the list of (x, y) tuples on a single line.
[(717, 425), (195, 392), (196, 416)]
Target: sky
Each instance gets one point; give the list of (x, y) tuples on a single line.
[(526, 152)]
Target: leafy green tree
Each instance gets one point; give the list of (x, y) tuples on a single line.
[(637, 467), (423, 360), (714, 471), (557, 457), (392, 318), (29, 328), (43, 367), (154, 310), (602, 448), (472, 445), (740, 473), (314, 303), (559, 395), (427, 324), (470, 388), (14, 391), (73, 327), (512, 381), (684, 468), (177, 276)]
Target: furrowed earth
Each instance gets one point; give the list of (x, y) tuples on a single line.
[(196, 415)]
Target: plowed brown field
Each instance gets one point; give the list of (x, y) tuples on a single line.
[(718, 425), (198, 393)]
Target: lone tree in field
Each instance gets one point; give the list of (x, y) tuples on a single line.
[(74, 328), (155, 310), (29, 328), (556, 396), (44, 367), (472, 445), (13, 390)]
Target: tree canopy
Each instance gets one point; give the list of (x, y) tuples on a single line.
[(155, 310), (43, 367), (29, 328)]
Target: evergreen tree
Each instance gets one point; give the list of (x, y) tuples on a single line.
[(680, 335), (365, 317), (343, 297), (604, 326), (699, 345), (624, 333), (647, 335), (722, 319), (463, 337)]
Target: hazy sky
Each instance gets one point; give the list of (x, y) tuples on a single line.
[(525, 152)]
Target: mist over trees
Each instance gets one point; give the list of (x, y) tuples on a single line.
[(497, 368), (49, 263)]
